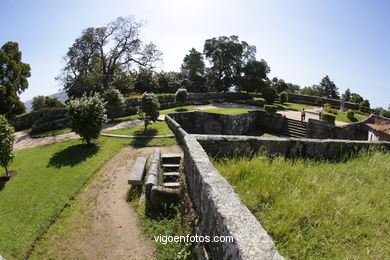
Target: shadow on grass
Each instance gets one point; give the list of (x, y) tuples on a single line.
[(72, 155), (354, 119), (140, 142)]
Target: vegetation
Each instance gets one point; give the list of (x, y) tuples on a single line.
[(87, 116), (283, 97), (42, 102), (50, 133), (159, 128), (270, 94), (13, 80), (181, 96), (317, 210), (227, 111), (7, 139), (270, 108), (32, 200), (193, 72), (328, 117), (255, 76), (350, 114), (115, 103), (292, 106), (148, 109)]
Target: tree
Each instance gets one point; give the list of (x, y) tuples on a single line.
[(115, 102), (145, 81), (148, 109), (315, 90), (279, 84), (365, 103), (270, 94), (292, 88), (347, 95), (168, 82), (193, 71), (13, 79), (283, 97), (41, 102), (356, 98), (100, 57), (181, 96), (87, 115), (255, 76), (227, 56), (330, 89), (7, 139)]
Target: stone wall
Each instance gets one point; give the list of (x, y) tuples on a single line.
[(26, 121), (221, 146), (220, 210), (311, 100), (270, 121)]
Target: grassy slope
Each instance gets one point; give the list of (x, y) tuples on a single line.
[(47, 177), (159, 128), (317, 210)]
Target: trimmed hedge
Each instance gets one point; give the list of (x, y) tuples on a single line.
[(270, 108), (328, 118), (350, 114)]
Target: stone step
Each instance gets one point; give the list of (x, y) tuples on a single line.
[(171, 176), (171, 167), (297, 123), (172, 185), (297, 129), (293, 134), (171, 158)]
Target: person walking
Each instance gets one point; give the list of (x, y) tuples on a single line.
[(303, 115)]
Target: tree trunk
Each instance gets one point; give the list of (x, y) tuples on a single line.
[(6, 171)]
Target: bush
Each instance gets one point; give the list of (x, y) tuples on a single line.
[(270, 94), (328, 117), (334, 111), (181, 96), (87, 115), (7, 139), (283, 97), (327, 107), (149, 108), (270, 108), (115, 103), (385, 113), (350, 114)]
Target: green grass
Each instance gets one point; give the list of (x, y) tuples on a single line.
[(47, 178), (227, 111), (51, 133), (318, 210), (292, 106), (172, 225), (159, 128), (343, 117)]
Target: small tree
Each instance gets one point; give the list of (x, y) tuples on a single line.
[(181, 96), (114, 102), (148, 109), (283, 97), (7, 139), (87, 115), (270, 94)]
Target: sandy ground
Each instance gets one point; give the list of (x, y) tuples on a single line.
[(23, 140), (107, 228)]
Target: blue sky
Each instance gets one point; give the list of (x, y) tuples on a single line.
[(302, 40)]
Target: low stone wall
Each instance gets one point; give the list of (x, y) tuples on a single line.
[(220, 210), (221, 146), (270, 121), (296, 98), (26, 121)]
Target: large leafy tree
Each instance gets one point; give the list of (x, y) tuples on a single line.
[(227, 56), (41, 102), (279, 84), (146, 80), (7, 139), (100, 57), (315, 90), (169, 82), (330, 89), (13, 79), (255, 76), (347, 95), (193, 71)]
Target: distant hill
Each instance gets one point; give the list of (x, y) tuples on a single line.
[(61, 96)]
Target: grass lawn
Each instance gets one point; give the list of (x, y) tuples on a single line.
[(159, 128), (318, 210), (47, 178), (51, 133), (227, 111), (343, 117), (292, 106)]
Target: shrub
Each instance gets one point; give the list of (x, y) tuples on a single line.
[(328, 117), (7, 139), (385, 113), (350, 114), (270, 94), (149, 108), (283, 97), (87, 115), (270, 108), (334, 111), (181, 96), (115, 103), (327, 107)]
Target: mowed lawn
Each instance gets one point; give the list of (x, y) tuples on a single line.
[(318, 210), (47, 178), (159, 128)]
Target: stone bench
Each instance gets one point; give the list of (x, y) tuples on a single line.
[(138, 171)]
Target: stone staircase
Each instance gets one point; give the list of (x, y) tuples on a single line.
[(294, 128), (170, 164)]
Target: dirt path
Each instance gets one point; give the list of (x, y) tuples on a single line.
[(105, 226), (23, 140)]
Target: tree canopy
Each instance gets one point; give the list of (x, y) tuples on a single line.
[(102, 57), (330, 89), (255, 76), (227, 56), (41, 102), (13, 79), (7, 139), (193, 70)]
